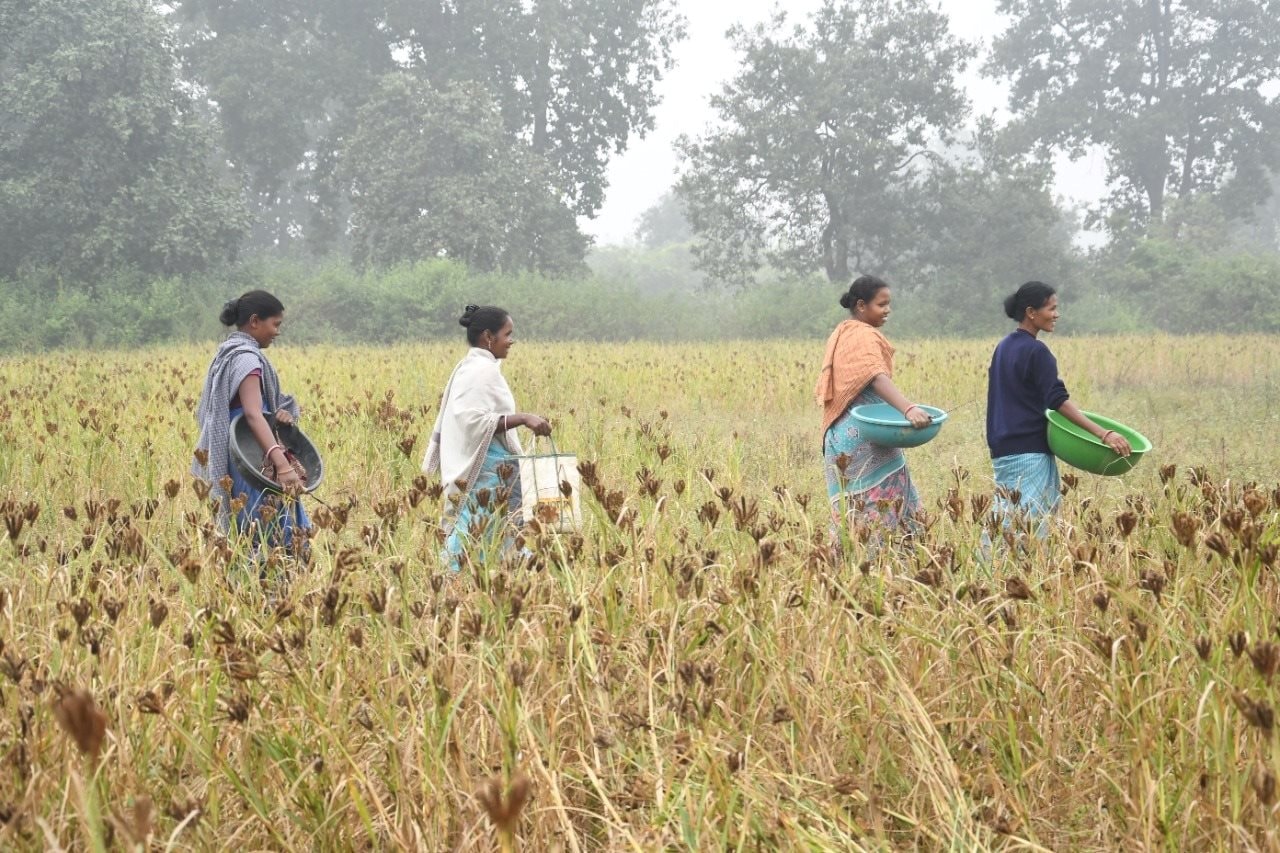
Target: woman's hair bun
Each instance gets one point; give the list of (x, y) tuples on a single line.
[(230, 313), (1011, 306), (844, 300), (467, 312)]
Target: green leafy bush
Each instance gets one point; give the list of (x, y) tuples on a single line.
[(1159, 285)]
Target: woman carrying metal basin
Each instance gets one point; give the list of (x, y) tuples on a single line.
[(474, 445), (241, 380), (867, 483), (1022, 383)]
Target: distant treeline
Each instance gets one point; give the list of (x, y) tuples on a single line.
[(631, 294)]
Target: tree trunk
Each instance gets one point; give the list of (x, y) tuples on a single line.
[(1155, 200), (835, 243), (540, 83), (1157, 181)]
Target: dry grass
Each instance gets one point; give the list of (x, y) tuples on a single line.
[(694, 672)]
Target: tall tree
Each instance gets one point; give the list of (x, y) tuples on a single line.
[(664, 223), (1171, 89), (990, 222), (573, 80), (433, 174), (105, 160), (286, 77), (813, 166)]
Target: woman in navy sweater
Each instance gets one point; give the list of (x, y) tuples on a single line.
[(1022, 382)]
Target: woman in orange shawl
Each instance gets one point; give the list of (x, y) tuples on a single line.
[(866, 483)]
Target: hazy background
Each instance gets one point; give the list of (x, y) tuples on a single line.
[(655, 169), (640, 175)]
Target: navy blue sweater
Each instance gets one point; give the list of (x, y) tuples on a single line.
[(1021, 383)]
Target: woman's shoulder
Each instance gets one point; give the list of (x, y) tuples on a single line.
[(839, 330), (249, 360), (855, 331), (1028, 353), (473, 370), (1040, 348), (1021, 341), (239, 360), (870, 337)]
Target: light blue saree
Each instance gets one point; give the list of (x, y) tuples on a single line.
[(485, 520)]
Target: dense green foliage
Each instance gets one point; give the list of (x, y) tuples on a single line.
[(335, 303), (106, 162), (380, 163), (983, 229), (571, 83), (1162, 285), (286, 78), (1173, 91), (432, 174), (807, 171), (272, 126)]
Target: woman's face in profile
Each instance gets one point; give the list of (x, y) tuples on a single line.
[(876, 312), (500, 343)]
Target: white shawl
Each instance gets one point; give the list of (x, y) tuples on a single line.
[(470, 417)]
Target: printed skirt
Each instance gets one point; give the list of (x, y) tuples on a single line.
[(866, 483)]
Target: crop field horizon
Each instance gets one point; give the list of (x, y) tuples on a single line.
[(694, 670)]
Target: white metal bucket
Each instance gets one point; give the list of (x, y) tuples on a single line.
[(549, 490)]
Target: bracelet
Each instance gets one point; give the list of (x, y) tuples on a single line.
[(267, 455), (1105, 434), (909, 408)]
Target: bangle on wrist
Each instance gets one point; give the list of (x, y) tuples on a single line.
[(272, 448), (1103, 437), (908, 409)]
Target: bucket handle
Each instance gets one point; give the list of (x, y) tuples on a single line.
[(533, 446)]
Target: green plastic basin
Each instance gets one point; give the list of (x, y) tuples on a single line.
[(1079, 449), (882, 424)]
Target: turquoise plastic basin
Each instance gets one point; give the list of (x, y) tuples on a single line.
[(882, 424)]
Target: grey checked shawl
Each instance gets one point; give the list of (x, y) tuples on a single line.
[(237, 357)]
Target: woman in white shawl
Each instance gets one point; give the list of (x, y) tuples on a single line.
[(241, 379), (474, 443)]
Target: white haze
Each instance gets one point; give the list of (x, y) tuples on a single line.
[(647, 169)]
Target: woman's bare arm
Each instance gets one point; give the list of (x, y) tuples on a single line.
[(884, 386), (1110, 438), (251, 399)]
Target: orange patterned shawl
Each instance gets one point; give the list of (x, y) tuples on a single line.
[(856, 354)]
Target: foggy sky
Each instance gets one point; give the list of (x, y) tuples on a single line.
[(647, 169)]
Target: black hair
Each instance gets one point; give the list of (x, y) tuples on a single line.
[(237, 312), (1033, 294), (477, 319), (864, 288)]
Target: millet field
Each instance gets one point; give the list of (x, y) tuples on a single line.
[(696, 670)]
